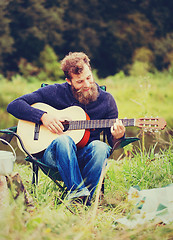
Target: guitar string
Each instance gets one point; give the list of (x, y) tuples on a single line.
[(92, 124)]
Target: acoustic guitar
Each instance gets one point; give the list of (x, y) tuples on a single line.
[(77, 125)]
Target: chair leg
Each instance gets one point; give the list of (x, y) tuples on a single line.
[(103, 187), (35, 173)]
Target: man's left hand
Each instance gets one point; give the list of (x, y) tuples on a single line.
[(118, 129)]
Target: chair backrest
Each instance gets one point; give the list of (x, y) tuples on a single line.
[(103, 87)]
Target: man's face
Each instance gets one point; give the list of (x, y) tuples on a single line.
[(83, 86)]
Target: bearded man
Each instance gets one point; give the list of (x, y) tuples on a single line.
[(80, 168)]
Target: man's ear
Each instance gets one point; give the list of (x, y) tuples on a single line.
[(68, 80)]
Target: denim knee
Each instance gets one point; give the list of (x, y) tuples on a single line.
[(101, 148), (61, 146), (63, 142)]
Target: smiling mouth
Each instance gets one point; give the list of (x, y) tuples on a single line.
[(83, 90), (86, 89)]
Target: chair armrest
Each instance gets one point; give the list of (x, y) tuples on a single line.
[(123, 142)]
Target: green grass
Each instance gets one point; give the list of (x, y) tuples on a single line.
[(143, 96), (51, 220), (151, 95)]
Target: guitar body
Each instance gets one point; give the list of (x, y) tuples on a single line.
[(77, 124), (26, 129)]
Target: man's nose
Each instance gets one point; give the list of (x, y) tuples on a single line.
[(86, 83)]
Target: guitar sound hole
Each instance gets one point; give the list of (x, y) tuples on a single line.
[(66, 125)]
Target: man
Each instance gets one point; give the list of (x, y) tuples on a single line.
[(80, 169)]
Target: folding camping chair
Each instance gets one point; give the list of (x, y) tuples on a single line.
[(52, 173)]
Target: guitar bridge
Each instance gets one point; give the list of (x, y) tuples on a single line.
[(36, 131)]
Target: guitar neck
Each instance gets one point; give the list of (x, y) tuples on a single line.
[(103, 123)]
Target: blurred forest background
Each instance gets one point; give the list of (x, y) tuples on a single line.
[(114, 34)]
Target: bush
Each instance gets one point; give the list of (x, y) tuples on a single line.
[(49, 65), (142, 62), (27, 69), (139, 69), (46, 69), (163, 51)]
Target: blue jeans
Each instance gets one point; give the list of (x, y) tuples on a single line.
[(79, 169)]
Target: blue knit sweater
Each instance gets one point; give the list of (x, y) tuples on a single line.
[(60, 96)]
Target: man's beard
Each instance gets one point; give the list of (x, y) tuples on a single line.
[(86, 97)]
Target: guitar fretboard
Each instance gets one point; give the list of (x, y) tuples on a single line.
[(103, 123)]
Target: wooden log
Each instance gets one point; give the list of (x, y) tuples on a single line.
[(17, 187)]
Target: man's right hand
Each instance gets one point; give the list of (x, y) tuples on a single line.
[(52, 123)]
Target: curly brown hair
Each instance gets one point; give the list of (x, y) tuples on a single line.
[(73, 63)]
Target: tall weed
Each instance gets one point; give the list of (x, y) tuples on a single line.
[(145, 169)]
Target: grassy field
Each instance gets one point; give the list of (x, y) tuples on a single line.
[(50, 217), (143, 96), (136, 97)]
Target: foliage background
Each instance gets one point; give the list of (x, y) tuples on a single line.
[(114, 34)]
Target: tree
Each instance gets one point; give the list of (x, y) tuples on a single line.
[(108, 31), (6, 41), (163, 49), (159, 13), (33, 26)]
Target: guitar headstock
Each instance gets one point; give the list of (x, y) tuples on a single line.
[(151, 123)]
